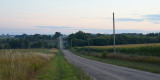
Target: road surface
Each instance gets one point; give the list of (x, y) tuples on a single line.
[(103, 71)]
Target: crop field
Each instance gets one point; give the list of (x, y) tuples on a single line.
[(131, 49), (21, 64)]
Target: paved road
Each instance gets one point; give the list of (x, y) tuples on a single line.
[(61, 43), (103, 71)]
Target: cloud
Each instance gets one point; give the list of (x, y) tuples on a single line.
[(155, 18), (130, 19), (53, 27), (157, 22)]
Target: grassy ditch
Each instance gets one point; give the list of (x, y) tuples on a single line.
[(60, 69), (21, 64), (123, 60)]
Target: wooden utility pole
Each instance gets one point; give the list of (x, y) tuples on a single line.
[(114, 33)]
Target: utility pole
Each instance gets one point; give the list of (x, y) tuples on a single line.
[(114, 33)]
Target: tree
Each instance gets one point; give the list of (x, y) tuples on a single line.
[(1, 46), (56, 35), (81, 38)]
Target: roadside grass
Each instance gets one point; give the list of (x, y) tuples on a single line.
[(154, 68), (145, 53), (118, 56), (21, 64), (60, 69), (48, 72)]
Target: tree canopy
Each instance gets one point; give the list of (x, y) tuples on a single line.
[(81, 38)]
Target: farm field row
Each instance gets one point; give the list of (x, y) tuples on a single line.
[(132, 49)]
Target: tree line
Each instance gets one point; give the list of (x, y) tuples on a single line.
[(81, 38), (30, 41)]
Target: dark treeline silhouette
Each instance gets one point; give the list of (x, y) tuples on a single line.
[(30, 41), (84, 39)]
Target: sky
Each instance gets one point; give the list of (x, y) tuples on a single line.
[(70, 16)]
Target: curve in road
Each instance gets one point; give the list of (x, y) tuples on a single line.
[(103, 71)]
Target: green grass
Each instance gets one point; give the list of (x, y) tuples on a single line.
[(155, 68), (48, 72), (60, 69)]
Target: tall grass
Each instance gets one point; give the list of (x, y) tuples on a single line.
[(15, 65)]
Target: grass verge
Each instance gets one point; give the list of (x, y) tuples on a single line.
[(154, 68), (60, 69)]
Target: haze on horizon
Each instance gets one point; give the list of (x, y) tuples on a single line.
[(69, 16)]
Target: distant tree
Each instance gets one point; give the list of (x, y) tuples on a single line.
[(37, 44), (1, 46), (56, 35), (45, 45), (7, 46), (46, 37), (81, 38), (26, 43)]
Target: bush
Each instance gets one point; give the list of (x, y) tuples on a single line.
[(103, 55)]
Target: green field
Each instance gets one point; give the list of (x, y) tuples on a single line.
[(132, 49)]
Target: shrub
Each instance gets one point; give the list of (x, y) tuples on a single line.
[(104, 55)]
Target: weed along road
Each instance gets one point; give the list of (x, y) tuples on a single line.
[(103, 71)]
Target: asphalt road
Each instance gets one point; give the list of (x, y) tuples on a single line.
[(103, 71)]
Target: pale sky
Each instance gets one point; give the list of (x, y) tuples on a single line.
[(70, 16)]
